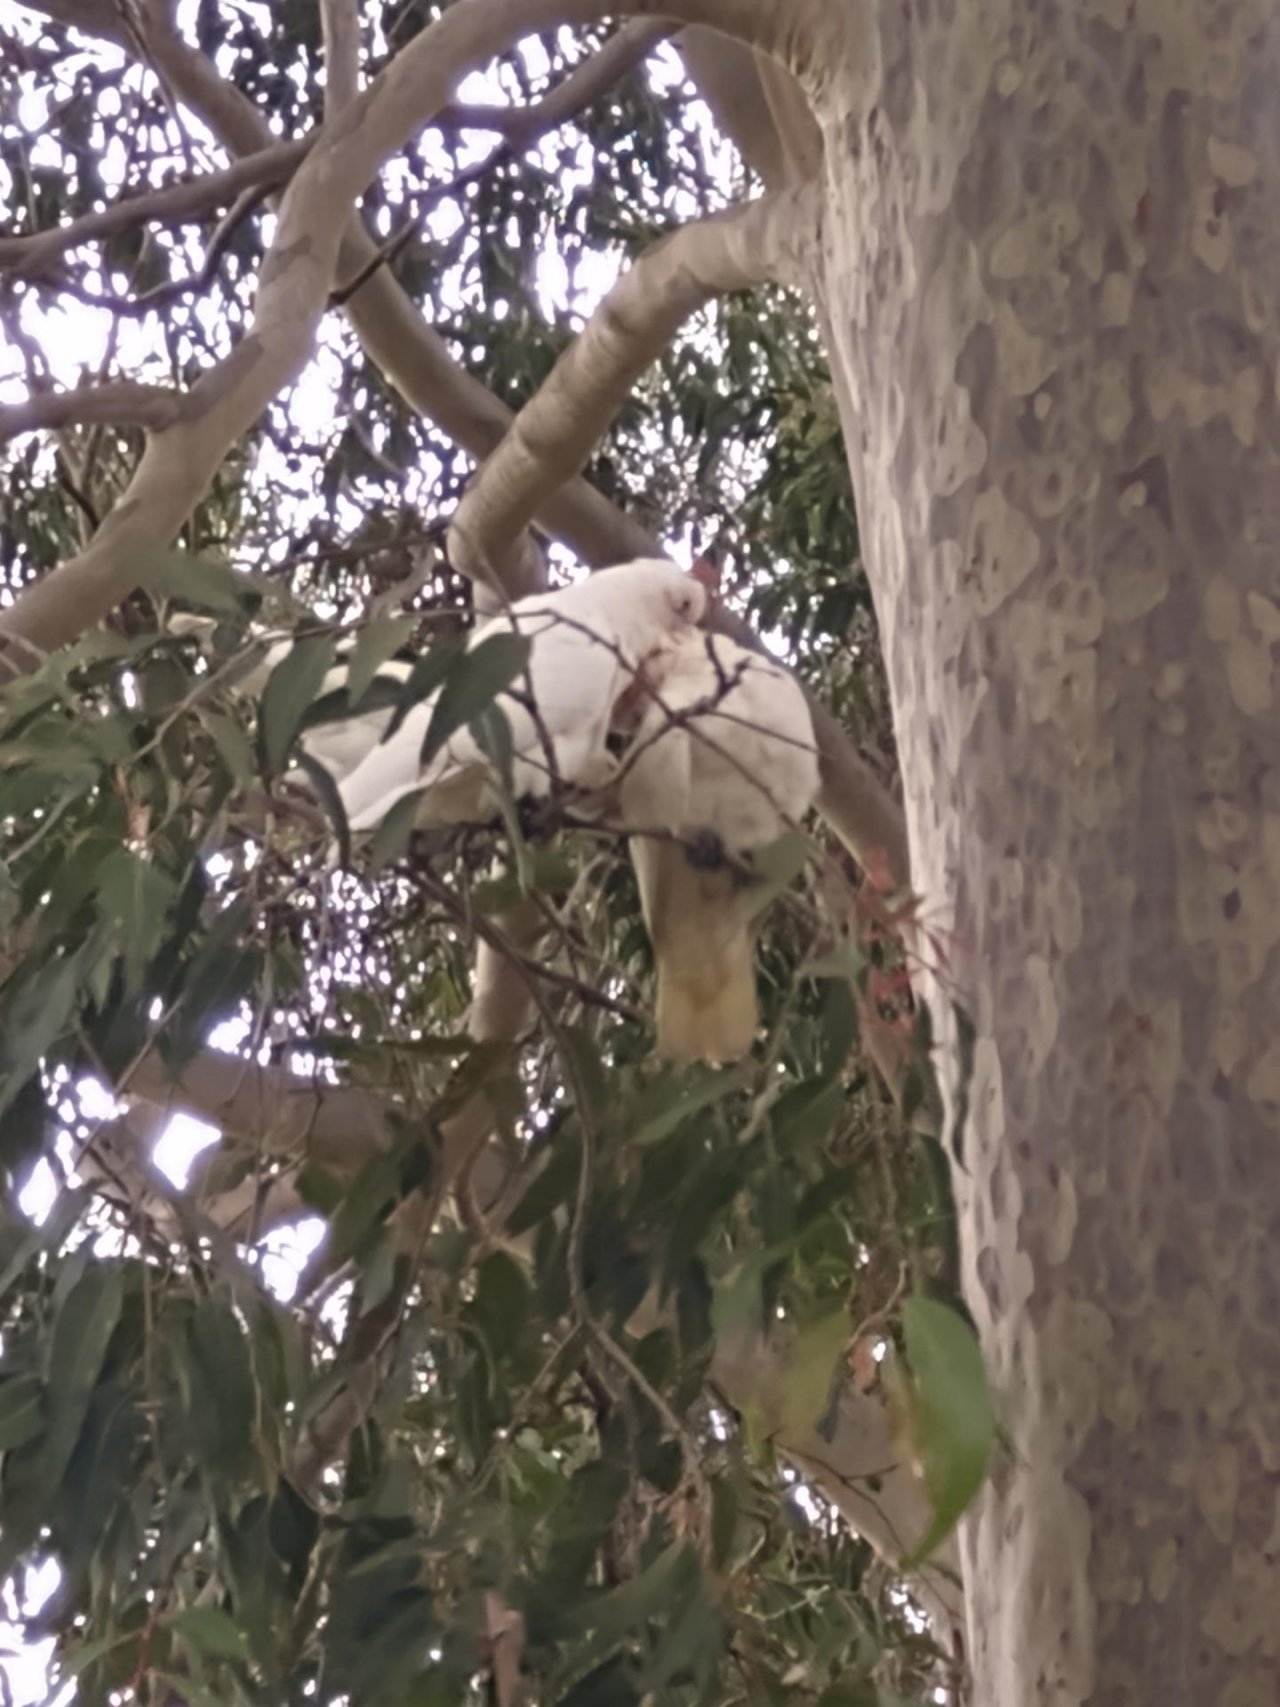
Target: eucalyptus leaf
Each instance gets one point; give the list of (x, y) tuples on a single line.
[(953, 1416), (291, 687), (473, 683), (378, 640)]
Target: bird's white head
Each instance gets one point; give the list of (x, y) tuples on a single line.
[(659, 592)]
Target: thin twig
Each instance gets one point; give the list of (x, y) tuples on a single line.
[(171, 290), (175, 204)]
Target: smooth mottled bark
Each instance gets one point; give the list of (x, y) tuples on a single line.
[(1052, 272)]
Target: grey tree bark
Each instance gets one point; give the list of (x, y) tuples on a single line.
[(1051, 270)]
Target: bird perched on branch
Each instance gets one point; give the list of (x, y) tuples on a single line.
[(724, 760), (589, 642)]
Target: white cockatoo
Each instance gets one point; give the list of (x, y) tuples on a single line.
[(699, 791), (590, 642)]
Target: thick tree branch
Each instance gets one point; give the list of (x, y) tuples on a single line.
[(340, 30), (169, 290), (265, 168), (279, 1112), (122, 404), (557, 429), (758, 104)]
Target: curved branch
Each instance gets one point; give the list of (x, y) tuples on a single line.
[(757, 104), (519, 126), (554, 433), (122, 404), (264, 168), (279, 1112)]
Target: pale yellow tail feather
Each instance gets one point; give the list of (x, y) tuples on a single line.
[(709, 1013)]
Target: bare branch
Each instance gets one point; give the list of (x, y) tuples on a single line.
[(757, 103), (264, 169), (519, 126), (555, 432), (340, 28), (279, 1112), (122, 405), (414, 358)]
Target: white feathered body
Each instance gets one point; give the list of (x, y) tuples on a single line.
[(722, 782), (588, 639)]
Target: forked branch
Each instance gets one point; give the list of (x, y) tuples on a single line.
[(265, 168), (293, 293)]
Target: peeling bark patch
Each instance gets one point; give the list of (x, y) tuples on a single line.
[(1003, 549)]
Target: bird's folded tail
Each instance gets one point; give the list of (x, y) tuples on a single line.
[(712, 1018), (705, 953)]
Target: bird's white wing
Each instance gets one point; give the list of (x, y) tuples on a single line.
[(723, 780), (344, 744), (587, 637), (573, 683)]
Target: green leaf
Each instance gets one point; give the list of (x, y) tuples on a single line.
[(724, 1521), (34, 1019), (501, 1303), (364, 1207), (690, 1643), (816, 1360), (331, 799), (675, 1097), (81, 1333), (473, 683), (425, 677), (392, 835), (219, 1389), (291, 687), (22, 1415), (658, 1587), (777, 866), (804, 1117), (953, 1417), (137, 895), (210, 1631), (196, 581), (377, 641), (233, 745)]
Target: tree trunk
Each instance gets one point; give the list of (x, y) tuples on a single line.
[(1051, 269)]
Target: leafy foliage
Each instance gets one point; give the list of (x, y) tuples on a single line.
[(530, 1427)]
